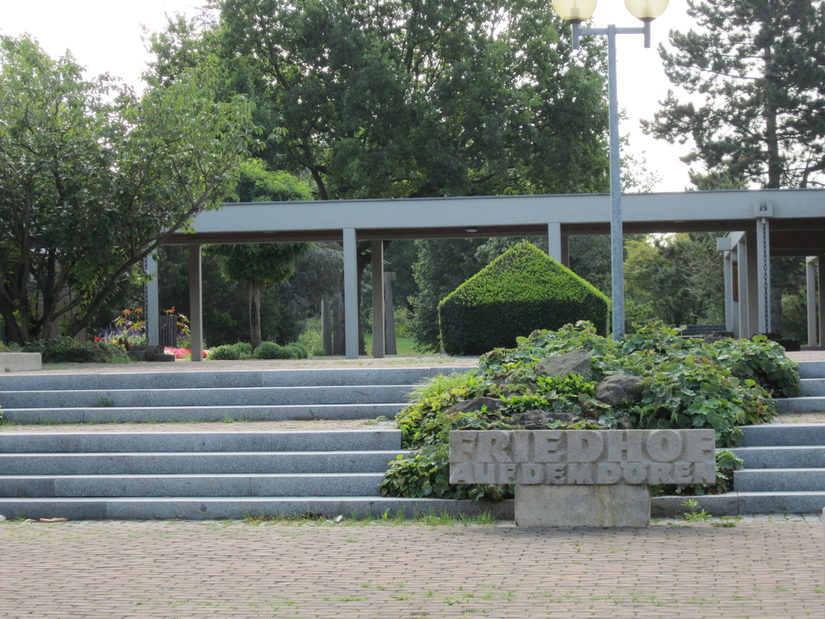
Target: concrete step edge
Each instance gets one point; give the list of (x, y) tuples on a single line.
[(209, 508), (365, 439), (229, 378), (161, 414), (183, 485)]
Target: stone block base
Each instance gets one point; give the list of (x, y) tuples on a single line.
[(17, 361), (616, 505)]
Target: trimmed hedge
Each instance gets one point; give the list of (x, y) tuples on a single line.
[(66, 350), (520, 291)]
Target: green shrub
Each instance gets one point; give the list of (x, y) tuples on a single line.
[(297, 351), (518, 292), (271, 350), (760, 360), (231, 352), (66, 350), (10, 347), (684, 386)]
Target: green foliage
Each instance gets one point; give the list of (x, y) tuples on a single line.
[(685, 385), (97, 178), (520, 291), (677, 278), (231, 352), (66, 350), (759, 360), (271, 350)]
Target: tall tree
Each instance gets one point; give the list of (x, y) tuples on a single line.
[(259, 264), (757, 70), (93, 179), (399, 98)]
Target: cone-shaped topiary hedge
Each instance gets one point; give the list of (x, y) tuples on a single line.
[(520, 291)]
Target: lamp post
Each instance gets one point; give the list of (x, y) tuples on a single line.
[(576, 11)]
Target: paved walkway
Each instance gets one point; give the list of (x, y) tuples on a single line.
[(761, 567)]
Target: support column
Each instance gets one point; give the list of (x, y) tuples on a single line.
[(350, 293), (390, 345), (326, 326), (152, 309), (752, 299), (554, 241), (565, 250), (195, 303), (743, 292), (727, 274), (378, 329), (763, 275), (810, 297), (821, 262)]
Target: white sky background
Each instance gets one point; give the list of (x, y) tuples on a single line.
[(105, 36)]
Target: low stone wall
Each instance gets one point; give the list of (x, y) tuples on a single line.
[(18, 361)]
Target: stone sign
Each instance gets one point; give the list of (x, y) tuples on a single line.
[(610, 468)]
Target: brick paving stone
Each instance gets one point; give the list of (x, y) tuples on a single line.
[(762, 567)]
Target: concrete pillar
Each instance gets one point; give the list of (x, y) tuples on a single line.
[(727, 274), (554, 241), (326, 326), (743, 278), (763, 276), (810, 289), (390, 345), (822, 301), (350, 293), (751, 300), (152, 309), (378, 299), (195, 303), (565, 250)]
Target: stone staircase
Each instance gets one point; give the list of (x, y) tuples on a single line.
[(174, 396), (784, 463), (204, 475)]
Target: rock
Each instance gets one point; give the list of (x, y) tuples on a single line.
[(2, 518), (618, 388), (538, 420), (476, 404), (576, 362)]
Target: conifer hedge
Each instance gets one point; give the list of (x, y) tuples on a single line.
[(520, 291)]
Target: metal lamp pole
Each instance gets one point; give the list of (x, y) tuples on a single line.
[(575, 11)]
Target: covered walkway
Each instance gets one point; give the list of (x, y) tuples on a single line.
[(759, 224)]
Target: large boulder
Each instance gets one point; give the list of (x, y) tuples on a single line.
[(538, 419), (576, 362), (619, 389)]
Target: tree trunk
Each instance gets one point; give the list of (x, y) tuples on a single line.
[(255, 312)]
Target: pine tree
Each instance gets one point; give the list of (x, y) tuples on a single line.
[(758, 69)]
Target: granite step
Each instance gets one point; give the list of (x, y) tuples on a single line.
[(783, 434), (216, 508), (772, 457), (173, 414), (249, 396), (235, 441), (146, 463), (780, 480), (208, 379), (192, 485)]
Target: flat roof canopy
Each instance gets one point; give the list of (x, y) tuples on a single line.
[(797, 217)]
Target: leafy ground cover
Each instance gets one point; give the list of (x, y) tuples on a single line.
[(684, 383)]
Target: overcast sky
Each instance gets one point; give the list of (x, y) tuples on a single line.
[(105, 36)]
